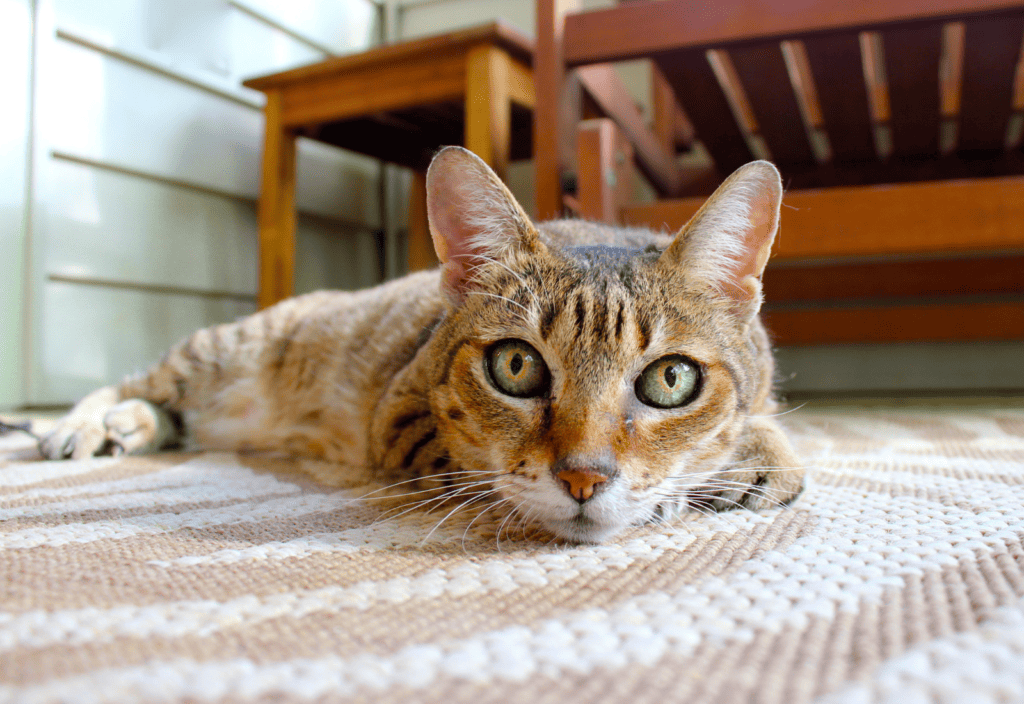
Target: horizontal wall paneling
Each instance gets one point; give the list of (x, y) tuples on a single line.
[(148, 159), (95, 335)]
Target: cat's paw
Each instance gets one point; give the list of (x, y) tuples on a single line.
[(100, 424), (136, 426), (769, 487), (81, 433), (768, 473), (73, 438)]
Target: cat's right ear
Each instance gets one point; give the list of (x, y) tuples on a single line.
[(473, 219), (728, 241)]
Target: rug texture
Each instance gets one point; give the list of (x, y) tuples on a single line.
[(897, 577)]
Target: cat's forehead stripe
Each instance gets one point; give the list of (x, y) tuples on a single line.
[(581, 311), (643, 329), (547, 320), (600, 317), (452, 351)]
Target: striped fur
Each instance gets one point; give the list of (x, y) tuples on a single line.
[(390, 385)]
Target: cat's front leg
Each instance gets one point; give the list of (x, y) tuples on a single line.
[(102, 422), (766, 472)]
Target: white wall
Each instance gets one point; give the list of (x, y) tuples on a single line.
[(15, 57), (415, 18), (902, 369), (146, 155)]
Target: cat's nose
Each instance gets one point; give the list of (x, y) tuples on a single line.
[(581, 484)]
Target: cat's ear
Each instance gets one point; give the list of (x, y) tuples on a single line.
[(473, 218), (728, 241)]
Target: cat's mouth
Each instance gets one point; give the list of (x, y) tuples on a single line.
[(581, 528), (593, 520)]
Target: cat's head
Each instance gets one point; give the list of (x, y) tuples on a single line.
[(595, 386)]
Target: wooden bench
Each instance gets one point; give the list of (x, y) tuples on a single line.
[(896, 126)]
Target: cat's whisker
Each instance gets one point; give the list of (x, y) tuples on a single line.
[(390, 514), (696, 479), (446, 496), (742, 486), (445, 491), (742, 464), (767, 468), (715, 490), (722, 482), (453, 477), (705, 473), (484, 510), (719, 495), (449, 493), (669, 508), (446, 517), (509, 517), (427, 511), (776, 415), (526, 522), (521, 526), (727, 500), (506, 526), (456, 473), (734, 467), (370, 495), (702, 510)]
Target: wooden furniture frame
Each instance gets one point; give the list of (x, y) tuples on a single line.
[(399, 103), (923, 242)]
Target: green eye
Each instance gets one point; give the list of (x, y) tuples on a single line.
[(516, 369), (669, 382)]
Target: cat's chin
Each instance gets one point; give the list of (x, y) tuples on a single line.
[(581, 529)]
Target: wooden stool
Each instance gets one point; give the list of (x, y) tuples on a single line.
[(399, 103)]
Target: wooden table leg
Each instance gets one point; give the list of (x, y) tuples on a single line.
[(605, 163), (549, 126), (488, 108), (420, 254), (277, 208)]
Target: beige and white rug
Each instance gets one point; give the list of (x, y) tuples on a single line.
[(897, 577)]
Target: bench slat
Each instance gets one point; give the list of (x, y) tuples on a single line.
[(701, 97), (991, 49), (838, 72), (762, 71), (912, 57)]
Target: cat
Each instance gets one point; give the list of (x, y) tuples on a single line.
[(591, 377)]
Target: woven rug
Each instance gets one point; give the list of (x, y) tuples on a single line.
[(897, 577)]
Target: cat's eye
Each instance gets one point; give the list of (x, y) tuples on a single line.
[(517, 369), (669, 382)]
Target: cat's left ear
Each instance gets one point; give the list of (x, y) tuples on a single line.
[(473, 219), (728, 241)]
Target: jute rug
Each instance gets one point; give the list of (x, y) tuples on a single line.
[(897, 577)]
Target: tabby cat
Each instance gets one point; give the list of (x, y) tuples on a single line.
[(593, 377)]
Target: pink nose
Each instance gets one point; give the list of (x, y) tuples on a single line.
[(580, 483)]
